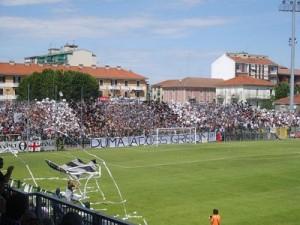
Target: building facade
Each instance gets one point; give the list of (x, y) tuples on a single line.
[(157, 90), (113, 81), (189, 89), (67, 55), (244, 89), (231, 65), (283, 104), (284, 75)]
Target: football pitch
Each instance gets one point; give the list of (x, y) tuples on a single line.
[(251, 183)]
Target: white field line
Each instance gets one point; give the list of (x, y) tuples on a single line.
[(206, 160)]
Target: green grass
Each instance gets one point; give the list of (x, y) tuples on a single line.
[(251, 183)]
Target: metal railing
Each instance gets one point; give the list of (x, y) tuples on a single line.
[(50, 207)]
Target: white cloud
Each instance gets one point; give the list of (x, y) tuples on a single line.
[(182, 4), (27, 2), (102, 27), (192, 2)]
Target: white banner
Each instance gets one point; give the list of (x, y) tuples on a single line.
[(23, 146), (114, 142)]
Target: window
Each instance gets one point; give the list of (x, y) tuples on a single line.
[(273, 69), (2, 79), (113, 82), (1, 91), (240, 67), (126, 83), (138, 83), (17, 79), (101, 82), (137, 94)]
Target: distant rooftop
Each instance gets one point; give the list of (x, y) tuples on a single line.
[(244, 57)]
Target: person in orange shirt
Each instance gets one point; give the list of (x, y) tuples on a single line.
[(215, 219)]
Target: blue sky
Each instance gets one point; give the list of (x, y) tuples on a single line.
[(160, 39)]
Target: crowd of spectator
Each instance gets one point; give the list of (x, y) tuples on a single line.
[(48, 118)]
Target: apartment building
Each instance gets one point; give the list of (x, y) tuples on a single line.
[(113, 81), (157, 90), (231, 65), (284, 75), (244, 89), (283, 104), (189, 89), (69, 54)]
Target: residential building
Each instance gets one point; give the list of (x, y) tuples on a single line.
[(244, 89), (189, 89), (69, 54), (284, 75), (113, 82), (157, 91), (283, 104), (231, 65)]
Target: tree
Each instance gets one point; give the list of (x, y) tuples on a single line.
[(282, 90), (297, 89), (52, 83), (268, 103)]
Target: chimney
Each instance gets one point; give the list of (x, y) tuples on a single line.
[(94, 66), (118, 67), (80, 66), (11, 62), (107, 67)]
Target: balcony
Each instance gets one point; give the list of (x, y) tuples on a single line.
[(114, 87), (125, 88), (7, 97), (9, 85), (137, 88)]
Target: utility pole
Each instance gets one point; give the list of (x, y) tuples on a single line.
[(27, 119), (291, 6), (81, 116)]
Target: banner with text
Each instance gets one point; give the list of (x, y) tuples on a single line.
[(30, 146), (116, 142)]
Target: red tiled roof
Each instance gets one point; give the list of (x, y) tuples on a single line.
[(97, 72), (285, 71), (245, 81), (165, 82), (286, 100), (191, 82), (252, 60)]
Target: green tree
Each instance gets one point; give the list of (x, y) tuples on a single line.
[(282, 90), (297, 89), (268, 103), (50, 83)]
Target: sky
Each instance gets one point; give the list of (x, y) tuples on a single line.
[(159, 39)]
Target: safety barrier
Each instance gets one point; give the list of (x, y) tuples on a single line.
[(47, 206)]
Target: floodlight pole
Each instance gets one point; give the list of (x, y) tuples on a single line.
[(291, 6)]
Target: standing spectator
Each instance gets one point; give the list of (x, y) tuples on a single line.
[(69, 195), (215, 218), (5, 178)]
